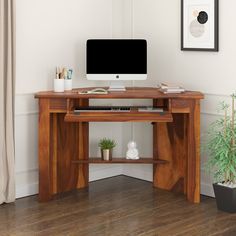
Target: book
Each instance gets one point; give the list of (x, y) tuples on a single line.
[(166, 91), (170, 88)]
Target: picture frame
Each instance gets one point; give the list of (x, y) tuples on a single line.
[(200, 25)]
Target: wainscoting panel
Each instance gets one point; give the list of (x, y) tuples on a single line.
[(26, 143)]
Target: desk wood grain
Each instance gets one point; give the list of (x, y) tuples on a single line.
[(176, 139)]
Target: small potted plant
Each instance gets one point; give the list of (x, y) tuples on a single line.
[(221, 149), (106, 146)]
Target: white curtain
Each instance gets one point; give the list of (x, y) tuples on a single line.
[(7, 78)]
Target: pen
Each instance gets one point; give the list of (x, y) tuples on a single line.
[(57, 74)]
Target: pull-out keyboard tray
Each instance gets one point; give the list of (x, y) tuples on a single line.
[(118, 114)]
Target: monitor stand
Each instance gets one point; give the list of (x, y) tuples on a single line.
[(116, 86)]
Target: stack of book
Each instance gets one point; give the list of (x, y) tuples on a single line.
[(168, 88)]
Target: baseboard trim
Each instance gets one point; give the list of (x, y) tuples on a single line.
[(32, 189), (26, 190), (207, 190), (104, 173), (145, 180)]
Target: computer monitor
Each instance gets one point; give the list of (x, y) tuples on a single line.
[(116, 59)]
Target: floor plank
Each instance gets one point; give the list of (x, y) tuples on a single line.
[(116, 206)]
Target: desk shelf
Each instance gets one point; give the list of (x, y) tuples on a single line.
[(119, 117), (93, 160)]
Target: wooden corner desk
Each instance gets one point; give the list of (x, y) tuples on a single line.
[(64, 140)]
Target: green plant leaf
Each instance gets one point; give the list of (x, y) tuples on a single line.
[(220, 145), (106, 143)]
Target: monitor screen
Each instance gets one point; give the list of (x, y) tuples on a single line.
[(116, 59)]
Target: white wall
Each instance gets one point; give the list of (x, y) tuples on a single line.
[(54, 32), (159, 22), (210, 72), (51, 33)]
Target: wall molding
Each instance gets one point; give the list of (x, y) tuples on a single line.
[(36, 113), (206, 94), (24, 94), (18, 172), (216, 95), (27, 113), (202, 112), (211, 113)]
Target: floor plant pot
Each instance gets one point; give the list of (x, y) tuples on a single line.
[(225, 198), (106, 154)]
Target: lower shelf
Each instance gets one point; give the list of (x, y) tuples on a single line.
[(115, 160)]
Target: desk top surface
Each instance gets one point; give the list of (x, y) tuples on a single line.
[(130, 93)]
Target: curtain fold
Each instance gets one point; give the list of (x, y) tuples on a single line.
[(7, 92)]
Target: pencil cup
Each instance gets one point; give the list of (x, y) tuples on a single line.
[(59, 85), (68, 84)]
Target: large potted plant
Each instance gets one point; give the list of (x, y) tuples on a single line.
[(221, 149), (106, 146)]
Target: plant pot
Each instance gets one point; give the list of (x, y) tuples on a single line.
[(225, 198), (106, 154)]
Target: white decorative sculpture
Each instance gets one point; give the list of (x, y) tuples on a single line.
[(132, 152)]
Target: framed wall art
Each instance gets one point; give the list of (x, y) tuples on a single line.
[(199, 25)]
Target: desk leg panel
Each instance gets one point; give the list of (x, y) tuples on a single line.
[(179, 143), (45, 181), (169, 143), (83, 169), (59, 144), (193, 164), (66, 138), (83, 149)]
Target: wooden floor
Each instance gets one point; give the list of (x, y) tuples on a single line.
[(116, 206)]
